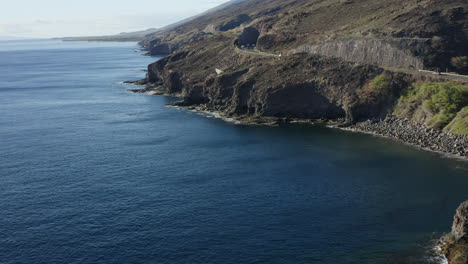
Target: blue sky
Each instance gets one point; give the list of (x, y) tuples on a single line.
[(60, 18)]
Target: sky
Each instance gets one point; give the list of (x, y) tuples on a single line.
[(65, 18)]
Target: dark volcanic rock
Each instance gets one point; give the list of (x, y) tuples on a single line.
[(397, 53), (395, 33), (455, 245), (460, 223), (296, 86), (416, 134), (248, 36), (139, 82), (331, 53), (239, 20), (158, 47), (301, 85), (269, 41)]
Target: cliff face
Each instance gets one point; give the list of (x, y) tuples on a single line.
[(336, 64), (396, 53), (455, 245), (300, 85)]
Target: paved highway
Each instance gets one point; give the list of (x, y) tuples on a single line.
[(441, 75)]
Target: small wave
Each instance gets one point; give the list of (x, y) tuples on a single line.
[(217, 115), (210, 114), (438, 258), (152, 93), (433, 254)]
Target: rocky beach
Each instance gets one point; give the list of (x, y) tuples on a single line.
[(402, 130), (412, 133)]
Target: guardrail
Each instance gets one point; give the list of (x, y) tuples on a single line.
[(445, 73)]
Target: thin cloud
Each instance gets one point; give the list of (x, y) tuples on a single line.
[(90, 27), (63, 21)]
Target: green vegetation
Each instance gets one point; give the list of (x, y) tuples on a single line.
[(437, 103), (382, 85), (378, 90), (459, 124)]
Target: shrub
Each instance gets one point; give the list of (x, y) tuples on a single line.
[(459, 124), (381, 84), (442, 100)]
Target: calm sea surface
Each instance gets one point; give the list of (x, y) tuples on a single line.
[(90, 173)]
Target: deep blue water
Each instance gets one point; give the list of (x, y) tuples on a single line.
[(90, 173)]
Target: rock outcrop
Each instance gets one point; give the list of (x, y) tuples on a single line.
[(455, 244), (299, 86), (346, 61), (249, 36), (396, 53)]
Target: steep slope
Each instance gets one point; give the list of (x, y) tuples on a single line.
[(414, 33), (353, 62), (455, 244)]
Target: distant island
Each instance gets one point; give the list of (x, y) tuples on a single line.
[(122, 37), (149, 33)]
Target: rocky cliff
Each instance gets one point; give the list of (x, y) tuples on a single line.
[(455, 244), (395, 53), (252, 87), (298, 86), (353, 63)]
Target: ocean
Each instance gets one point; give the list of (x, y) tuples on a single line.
[(90, 173)]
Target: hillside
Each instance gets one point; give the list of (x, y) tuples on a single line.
[(341, 60), (426, 32)]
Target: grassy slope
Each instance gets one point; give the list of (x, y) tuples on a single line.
[(438, 105)]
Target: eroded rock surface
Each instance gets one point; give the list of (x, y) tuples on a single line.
[(455, 244), (249, 36), (333, 52), (460, 223), (396, 53), (299, 86)]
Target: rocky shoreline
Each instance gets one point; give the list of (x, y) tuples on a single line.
[(454, 246), (402, 130), (417, 135)]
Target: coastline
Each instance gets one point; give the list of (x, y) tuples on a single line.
[(401, 130), (416, 135), (376, 134)]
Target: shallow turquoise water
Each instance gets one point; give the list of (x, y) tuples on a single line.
[(90, 173)]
